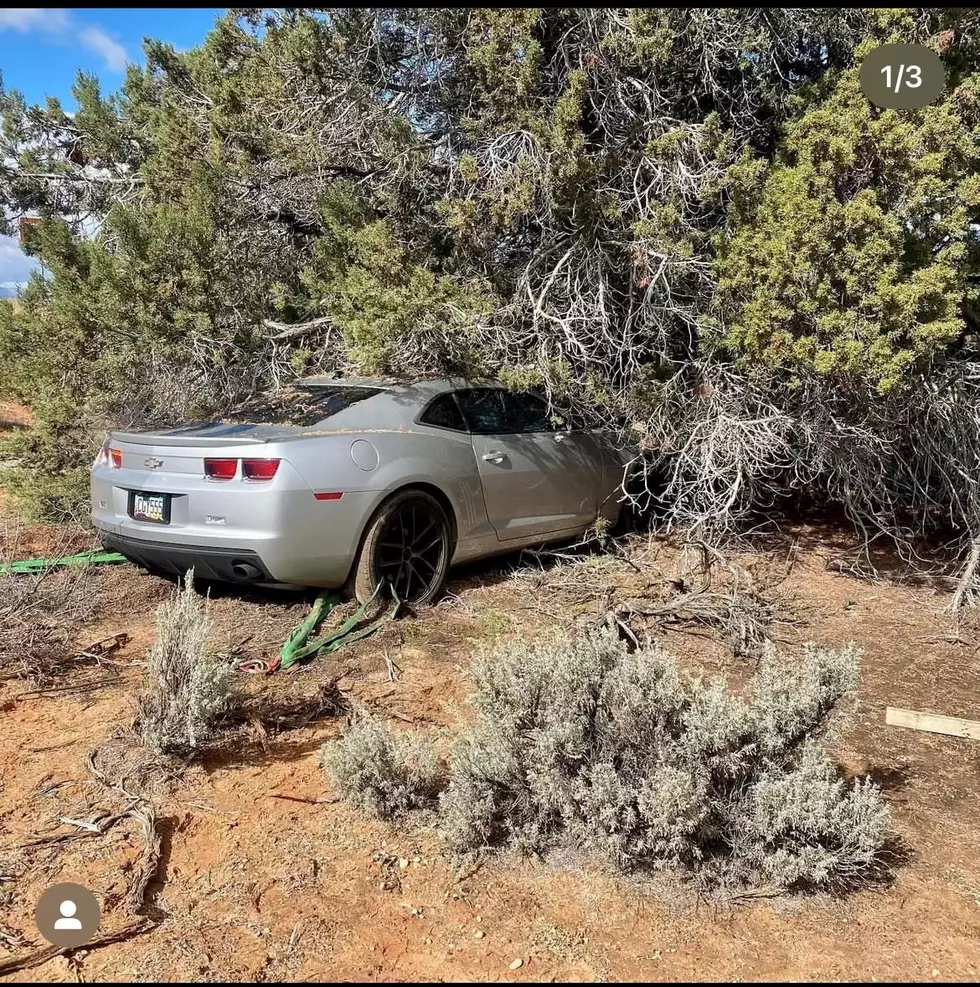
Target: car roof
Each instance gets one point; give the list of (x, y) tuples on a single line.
[(427, 386), (397, 404)]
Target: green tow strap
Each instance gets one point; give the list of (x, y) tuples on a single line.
[(95, 557), (300, 635), (298, 645)]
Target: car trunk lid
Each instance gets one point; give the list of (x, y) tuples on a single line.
[(183, 450)]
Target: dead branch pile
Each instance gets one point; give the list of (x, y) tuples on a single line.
[(39, 616), (743, 618)]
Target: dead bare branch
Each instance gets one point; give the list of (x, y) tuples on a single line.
[(128, 931)]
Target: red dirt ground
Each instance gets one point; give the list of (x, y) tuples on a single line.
[(13, 415), (264, 876)]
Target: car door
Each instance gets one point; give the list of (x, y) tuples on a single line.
[(537, 479), (577, 473)]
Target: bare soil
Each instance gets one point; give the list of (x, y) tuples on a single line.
[(263, 875), (13, 415)]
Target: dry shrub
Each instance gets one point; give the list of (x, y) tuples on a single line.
[(580, 742), (384, 774), (39, 615), (187, 687)]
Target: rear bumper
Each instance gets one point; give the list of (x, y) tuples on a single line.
[(284, 531), (208, 562)]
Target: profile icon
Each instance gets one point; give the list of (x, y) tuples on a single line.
[(68, 920), (68, 915)]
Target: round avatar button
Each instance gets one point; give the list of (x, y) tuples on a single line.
[(67, 914)]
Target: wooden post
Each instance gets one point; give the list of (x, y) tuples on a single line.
[(951, 726)]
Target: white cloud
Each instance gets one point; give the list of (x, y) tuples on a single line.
[(15, 265), (113, 53), (34, 18), (58, 24)]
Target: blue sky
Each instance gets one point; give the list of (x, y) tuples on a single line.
[(41, 50)]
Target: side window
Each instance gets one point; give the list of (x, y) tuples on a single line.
[(527, 413), (483, 409), (444, 413)]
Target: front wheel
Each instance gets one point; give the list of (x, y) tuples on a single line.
[(407, 544)]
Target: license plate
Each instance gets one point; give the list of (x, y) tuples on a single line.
[(150, 507)]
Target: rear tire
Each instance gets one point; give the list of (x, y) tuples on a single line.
[(407, 543)]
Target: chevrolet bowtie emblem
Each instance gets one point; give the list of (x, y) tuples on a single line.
[(152, 463)]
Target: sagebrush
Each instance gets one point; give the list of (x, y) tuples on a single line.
[(383, 774), (187, 687), (578, 741)]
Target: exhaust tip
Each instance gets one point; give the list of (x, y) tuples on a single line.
[(245, 570)]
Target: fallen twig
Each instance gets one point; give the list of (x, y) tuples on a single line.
[(53, 747), (750, 894), (965, 589), (100, 776), (298, 798), (146, 866), (60, 689), (103, 647), (50, 952), (81, 824), (97, 829), (617, 624), (393, 669), (12, 939)]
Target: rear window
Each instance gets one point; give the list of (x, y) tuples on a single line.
[(302, 405), (444, 413)]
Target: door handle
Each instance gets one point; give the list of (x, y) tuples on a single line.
[(493, 457)]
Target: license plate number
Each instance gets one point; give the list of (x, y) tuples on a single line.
[(150, 507)]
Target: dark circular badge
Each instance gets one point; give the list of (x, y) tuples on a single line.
[(902, 76), (67, 914)]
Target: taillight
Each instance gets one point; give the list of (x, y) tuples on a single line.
[(259, 469), (220, 469), (115, 458)]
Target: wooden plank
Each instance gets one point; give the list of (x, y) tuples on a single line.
[(952, 726)]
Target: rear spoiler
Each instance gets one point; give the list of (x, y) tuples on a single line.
[(149, 439)]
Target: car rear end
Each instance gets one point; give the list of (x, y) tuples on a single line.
[(227, 500)]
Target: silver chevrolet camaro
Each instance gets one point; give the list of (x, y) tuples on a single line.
[(357, 483)]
